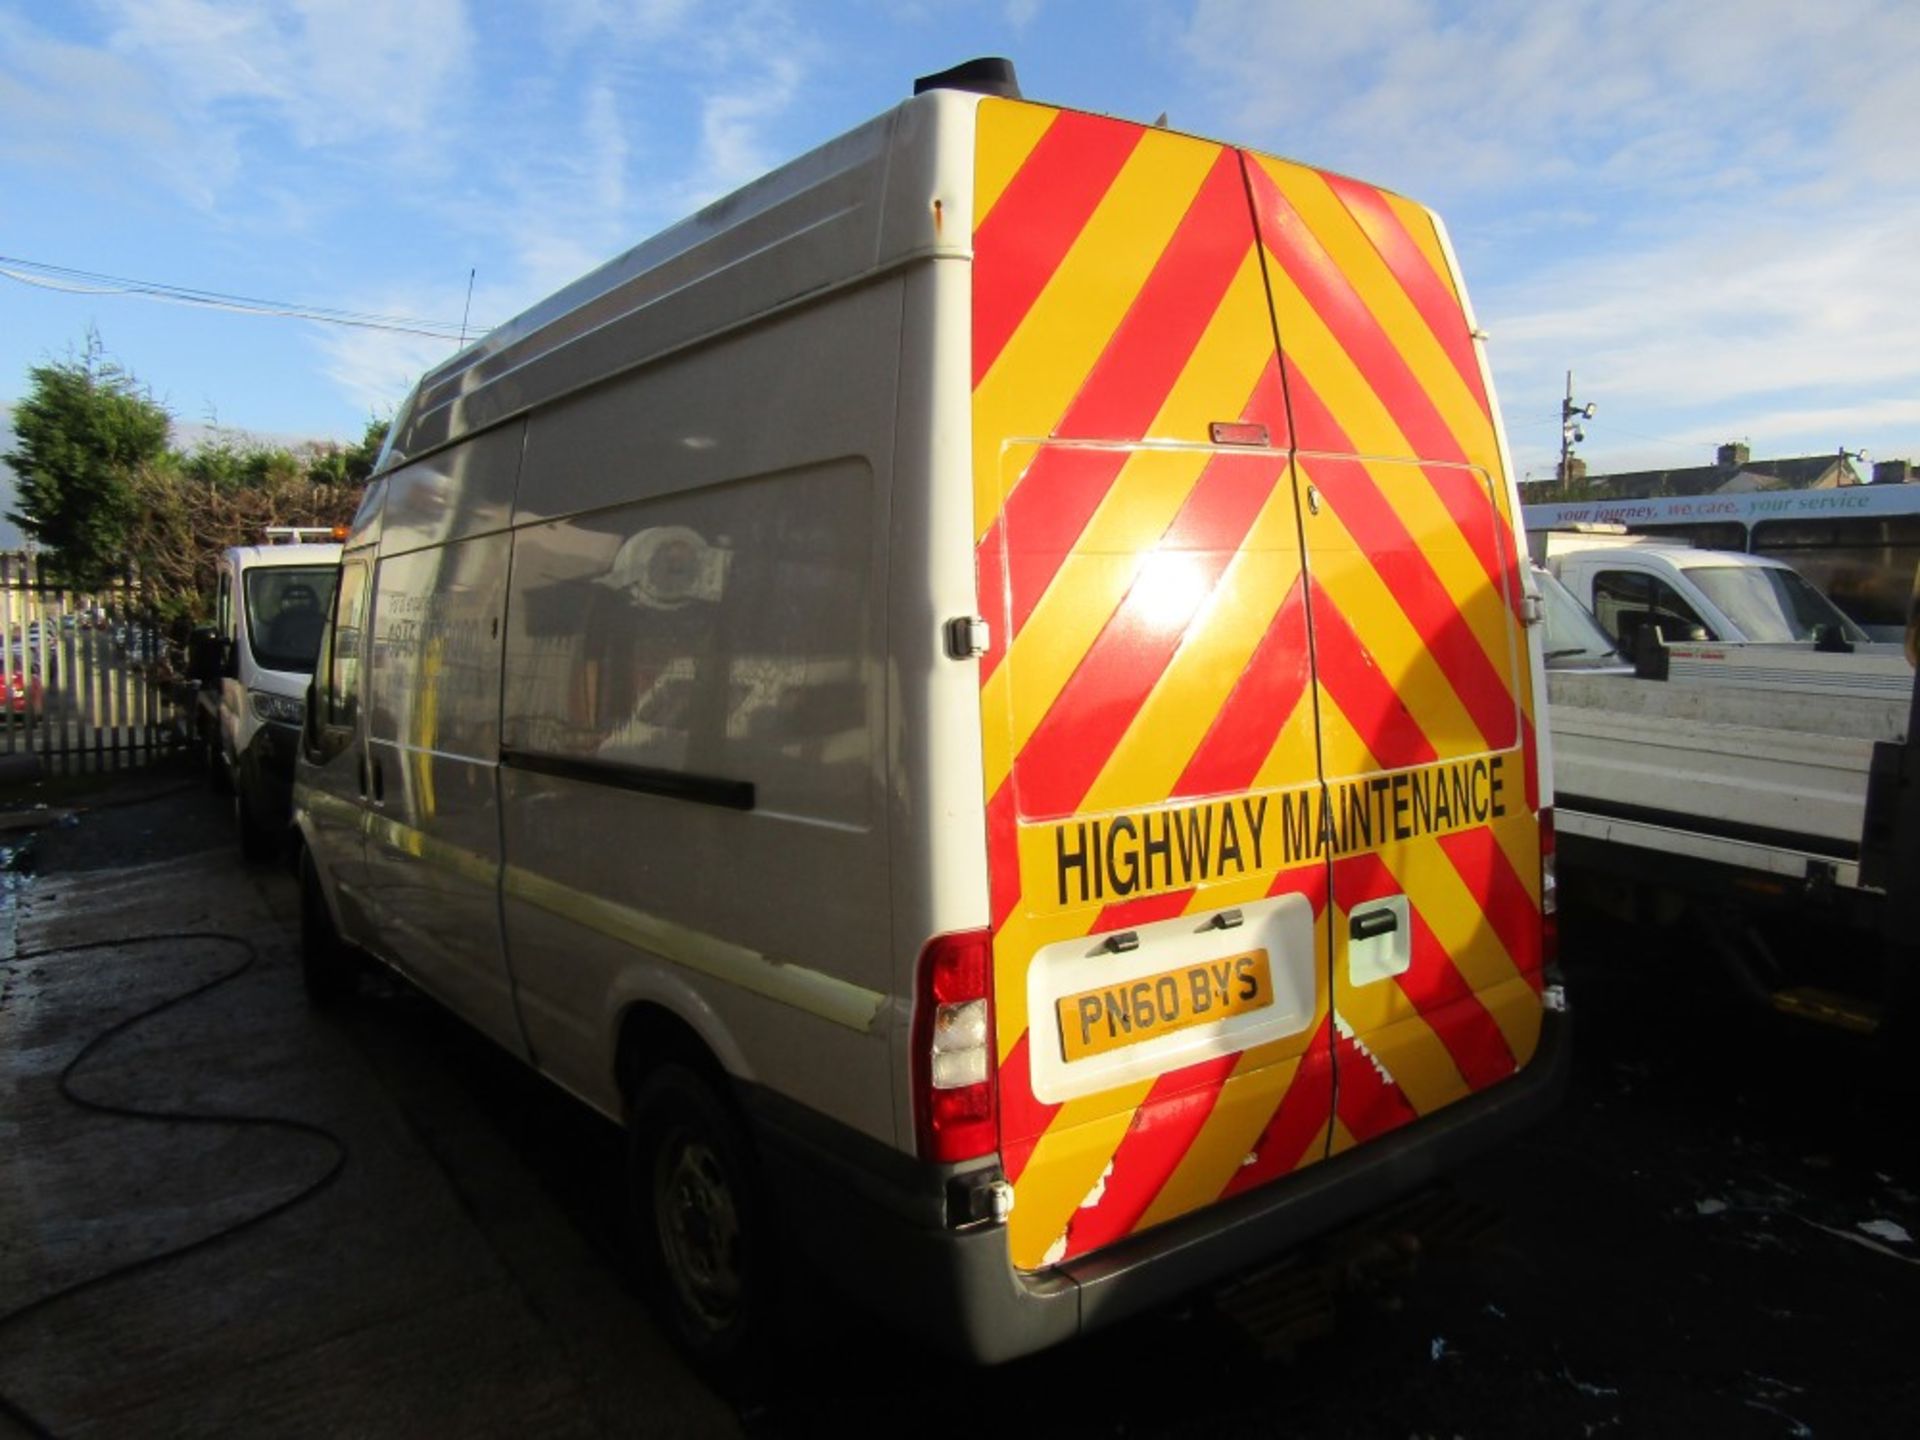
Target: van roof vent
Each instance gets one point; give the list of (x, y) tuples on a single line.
[(988, 75)]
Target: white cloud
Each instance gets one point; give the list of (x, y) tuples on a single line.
[(298, 129), (568, 24), (331, 71), (1496, 92), (740, 71), (374, 369), (1711, 211), (128, 112), (735, 145)]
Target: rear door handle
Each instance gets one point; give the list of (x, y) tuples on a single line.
[(1369, 923)]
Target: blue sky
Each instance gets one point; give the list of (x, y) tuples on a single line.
[(1710, 210)]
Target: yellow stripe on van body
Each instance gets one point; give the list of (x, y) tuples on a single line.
[(1240, 1116), (1047, 360), (1399, 319), (407, 839), (1520, 843), (1005, 139), (1364, 417), (1021, 936), (1397, 1038), (1088, 588), (812, 991), (1065, 1168), (1417, 221), (1234, 351), (1296, 749), (1347, 576), (1183, 706), (1453, 913), (1341, 1140), (1251, 1095)]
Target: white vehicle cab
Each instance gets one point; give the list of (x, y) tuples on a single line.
[(1693, 594), (1574, 639), (994, 767), (270, 609)]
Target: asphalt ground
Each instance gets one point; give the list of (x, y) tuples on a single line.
[(1711, 1238)]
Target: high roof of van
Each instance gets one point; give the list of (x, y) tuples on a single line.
[(895, 190)]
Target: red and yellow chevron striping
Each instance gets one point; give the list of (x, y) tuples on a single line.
[(1222, 675)]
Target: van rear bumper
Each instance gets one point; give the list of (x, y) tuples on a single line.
[(875, 1221)]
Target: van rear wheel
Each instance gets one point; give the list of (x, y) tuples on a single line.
[(699, 1232)]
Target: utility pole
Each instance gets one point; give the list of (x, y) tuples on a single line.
[(1846, 455), (1570, 417)]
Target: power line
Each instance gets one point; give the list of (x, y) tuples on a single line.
[(87, 282)]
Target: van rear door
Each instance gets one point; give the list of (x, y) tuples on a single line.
[(1160, 961), (1424, 699)]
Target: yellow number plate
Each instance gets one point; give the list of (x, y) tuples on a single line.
[(1095, 1021)]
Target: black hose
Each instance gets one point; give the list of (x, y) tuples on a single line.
[(11, 1408)]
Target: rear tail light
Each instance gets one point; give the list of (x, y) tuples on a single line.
[(1549, 894), (955, 1110)]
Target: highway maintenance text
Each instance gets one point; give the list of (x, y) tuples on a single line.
[(1113, 857)]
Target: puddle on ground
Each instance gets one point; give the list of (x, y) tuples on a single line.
[(16, 873)]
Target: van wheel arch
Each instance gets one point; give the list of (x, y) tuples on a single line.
[(651, 1036)]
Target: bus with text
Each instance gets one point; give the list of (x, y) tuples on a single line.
[(1859, 543)]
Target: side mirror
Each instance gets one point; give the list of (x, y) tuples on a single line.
[(1649, 653), (203, 656)]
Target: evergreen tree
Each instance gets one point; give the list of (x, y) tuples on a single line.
[(87, 428)]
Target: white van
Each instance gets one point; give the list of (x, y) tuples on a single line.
[(997, 771), (271, 605), (1694, 594)]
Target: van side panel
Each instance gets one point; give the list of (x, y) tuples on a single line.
[(695, 774), (433, 744), (1146, 704), (1425, 692)]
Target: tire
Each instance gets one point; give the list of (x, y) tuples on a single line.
[(259, 845), (701, 1235), (328, 968)]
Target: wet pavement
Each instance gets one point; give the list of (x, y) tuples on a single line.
[(1716, 1235), (385, 1304)]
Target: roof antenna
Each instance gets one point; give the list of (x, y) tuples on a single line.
[(469, 310), (987, 75)]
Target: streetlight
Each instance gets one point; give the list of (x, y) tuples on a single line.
[(1845, 456), (1570, 417)]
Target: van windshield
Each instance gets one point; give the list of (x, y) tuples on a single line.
[(1771, 603), (287, 609), (1574, 639)]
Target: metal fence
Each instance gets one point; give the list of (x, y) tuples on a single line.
[(87, 675)]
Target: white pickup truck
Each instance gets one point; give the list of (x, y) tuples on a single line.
[(1744, 787)]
